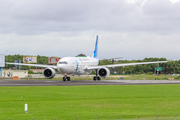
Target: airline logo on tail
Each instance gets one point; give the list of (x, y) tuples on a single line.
[(96, 48)]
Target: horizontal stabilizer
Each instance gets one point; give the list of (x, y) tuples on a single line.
[(112, 58)]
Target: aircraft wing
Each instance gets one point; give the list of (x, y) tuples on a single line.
[(126, 64), (35, 65)]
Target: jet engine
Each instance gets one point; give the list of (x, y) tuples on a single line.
[(49, 73), (103, 72)]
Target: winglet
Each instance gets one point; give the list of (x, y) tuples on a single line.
[(96, 48)]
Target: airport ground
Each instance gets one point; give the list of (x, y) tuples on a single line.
[(107, 99), (82, 82), (111, 77)]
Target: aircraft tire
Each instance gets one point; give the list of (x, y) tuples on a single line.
[(64, 78), (98, 78), (94, 78), (68, 78)]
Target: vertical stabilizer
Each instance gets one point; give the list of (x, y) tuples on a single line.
[(96, 48)]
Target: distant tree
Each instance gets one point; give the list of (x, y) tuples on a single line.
[(168, 68)]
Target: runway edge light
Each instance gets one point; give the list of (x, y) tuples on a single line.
[(26, 108)]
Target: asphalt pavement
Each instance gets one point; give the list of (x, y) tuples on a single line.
[(82, 82)]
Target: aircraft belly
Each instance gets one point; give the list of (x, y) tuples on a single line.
[(66, 70), (79, 71)]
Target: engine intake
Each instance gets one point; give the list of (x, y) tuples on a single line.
[(103, 72), (49, 73)]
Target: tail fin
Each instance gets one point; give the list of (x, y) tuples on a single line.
[(96, 48)]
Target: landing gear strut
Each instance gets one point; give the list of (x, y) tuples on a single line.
[(66, 78), (96, 77)]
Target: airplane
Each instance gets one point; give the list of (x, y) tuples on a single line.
[(81, 66)]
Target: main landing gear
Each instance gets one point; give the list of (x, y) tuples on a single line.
[(96, 77), (66, 78)]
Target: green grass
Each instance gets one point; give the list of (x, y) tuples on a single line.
[(150, 77), (88, 102), (117, 77)]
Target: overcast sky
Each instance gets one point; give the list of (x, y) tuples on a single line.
[(132, 29)]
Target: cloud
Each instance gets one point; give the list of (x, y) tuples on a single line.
[(133, 28), (42, 16)]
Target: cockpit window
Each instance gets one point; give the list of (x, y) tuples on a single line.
[(62, 62)]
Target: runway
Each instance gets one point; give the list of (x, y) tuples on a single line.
[(83, 82)]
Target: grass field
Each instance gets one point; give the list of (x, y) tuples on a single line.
[(117, 77), (89, 102)]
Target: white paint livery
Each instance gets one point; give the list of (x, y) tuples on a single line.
[(81, 65), (76, 65)]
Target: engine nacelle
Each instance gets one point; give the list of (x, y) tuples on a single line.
[(103, 72), (49, 73)]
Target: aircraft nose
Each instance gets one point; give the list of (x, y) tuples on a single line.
[(61, 67)]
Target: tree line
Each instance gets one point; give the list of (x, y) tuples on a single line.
[(167, 68), (12, 58)]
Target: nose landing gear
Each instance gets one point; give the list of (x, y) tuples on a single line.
[(66, 78)]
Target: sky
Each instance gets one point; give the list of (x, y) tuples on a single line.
[(132, 29)]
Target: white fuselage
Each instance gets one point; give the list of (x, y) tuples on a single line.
[(76, 65)]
